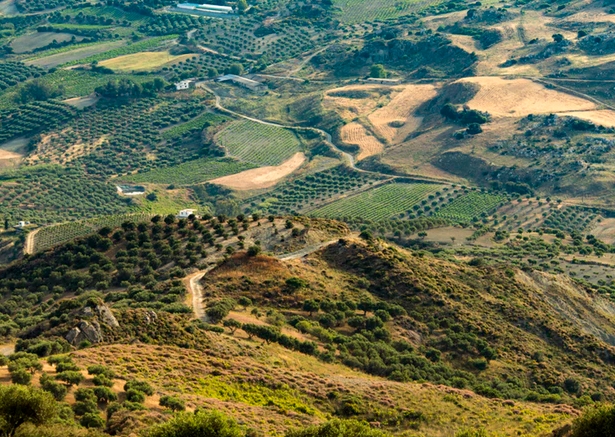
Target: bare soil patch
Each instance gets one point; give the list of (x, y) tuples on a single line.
[(263, 177), (521, 97), (395, 121), (355, 134), (605, 230), (82, 102)]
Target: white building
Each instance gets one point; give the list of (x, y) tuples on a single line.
[(215, 9), (185, 213), (184, 84)]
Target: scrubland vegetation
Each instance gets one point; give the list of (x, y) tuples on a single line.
[(438, 261)]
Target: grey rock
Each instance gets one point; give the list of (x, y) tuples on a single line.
[(106, 316), (85, 331)]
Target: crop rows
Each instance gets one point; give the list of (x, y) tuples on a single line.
[(358, 11), (259, 144), (381, 203), (51, 194), (54, 235), (569, 219), (11, 73), (141, 46), (199, 66), (469, 207), (198, 123), (33, 117), (191, 172), (247, 37), (129, 134), (306, 192)]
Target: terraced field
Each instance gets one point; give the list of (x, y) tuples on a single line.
[(259, 144), (378, 204)]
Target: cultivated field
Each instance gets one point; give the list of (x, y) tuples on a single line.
[(259, 144), (143, 61), (71, 54), (520, 97), (32, 41), (263, 177), (378, 204), (355, 134), (396, 120), (190, 173), (466, 208)]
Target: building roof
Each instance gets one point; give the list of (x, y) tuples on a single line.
[(204, 6), (382, 79), (235, 78)]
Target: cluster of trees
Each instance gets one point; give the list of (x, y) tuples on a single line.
[(470, 117), (127, 88), (37, 90)]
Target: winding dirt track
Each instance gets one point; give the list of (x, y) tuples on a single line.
[(195, 291)]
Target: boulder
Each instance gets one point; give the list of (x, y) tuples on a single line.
[(85, 331), (106, 316)]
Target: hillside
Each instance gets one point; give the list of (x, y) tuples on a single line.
[(327, 329), (252, 217)]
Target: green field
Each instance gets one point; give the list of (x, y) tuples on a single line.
[(378, 204), (472, 205), (50, 236), (191, 172), (259, 144), (140, 46)]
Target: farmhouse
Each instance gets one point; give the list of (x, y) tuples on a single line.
[(205, 8), (185, 213), (241, 81), (184, 84)]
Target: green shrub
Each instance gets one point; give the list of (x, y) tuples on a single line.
[(133, 395), (595, 422), (141, 386), (172, 403), (200, 424)]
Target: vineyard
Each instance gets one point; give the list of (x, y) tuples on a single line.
[(470, 207), (359, 11), (198, 123), (54, 235), (311, 190), (381, 203), (258, 144), (191, 172)]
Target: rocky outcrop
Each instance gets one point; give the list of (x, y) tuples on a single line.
[(90, 330), (85, 331), (106, 316)]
